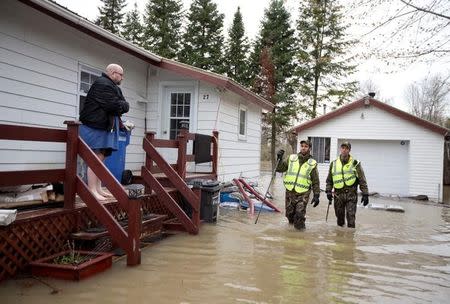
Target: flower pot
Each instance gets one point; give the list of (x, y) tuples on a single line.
[(96, 262)]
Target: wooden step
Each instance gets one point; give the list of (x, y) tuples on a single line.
[(189, 176), (149, 225), (173, 225)]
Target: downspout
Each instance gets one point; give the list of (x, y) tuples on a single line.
[(219, 92), (146, 98)]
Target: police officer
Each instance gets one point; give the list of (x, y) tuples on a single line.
[(344, 176), (301, 175)]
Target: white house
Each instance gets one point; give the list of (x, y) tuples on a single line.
[(400, 153), (50, 56)]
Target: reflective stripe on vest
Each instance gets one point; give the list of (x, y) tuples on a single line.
[(344, 175), (296, 177)]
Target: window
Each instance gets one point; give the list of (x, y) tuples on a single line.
[(320, 149), (180, 110), (242, 122), (87, 78)]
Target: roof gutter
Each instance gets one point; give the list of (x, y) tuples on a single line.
[(216, 79), (64, 15)]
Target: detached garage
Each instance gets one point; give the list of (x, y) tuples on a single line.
[(401, 154)]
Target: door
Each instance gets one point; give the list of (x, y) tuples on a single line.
[(178, 106), (385, 164)]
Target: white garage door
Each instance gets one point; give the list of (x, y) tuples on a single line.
[(385, 164)]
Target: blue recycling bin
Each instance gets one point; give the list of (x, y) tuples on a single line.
[(116, 161)]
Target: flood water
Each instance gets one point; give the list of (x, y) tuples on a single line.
[(388, 258)]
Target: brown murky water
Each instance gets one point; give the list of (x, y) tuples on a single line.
[(389, 258)]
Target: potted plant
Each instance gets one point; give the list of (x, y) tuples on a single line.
[(72, 264)]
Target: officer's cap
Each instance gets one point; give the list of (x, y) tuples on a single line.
[(346, 144), (306, 141)]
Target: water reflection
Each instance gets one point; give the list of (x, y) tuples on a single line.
[(388, 258), (445, 214)]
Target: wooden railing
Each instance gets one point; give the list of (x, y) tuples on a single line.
[(127, 240), (176, 174), (181, 144), (73, 184), (14, 178)]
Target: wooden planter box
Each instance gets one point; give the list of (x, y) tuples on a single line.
[(45, 267)]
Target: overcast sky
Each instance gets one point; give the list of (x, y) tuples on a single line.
[(392, 85)]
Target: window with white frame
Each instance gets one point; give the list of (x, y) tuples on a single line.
[(180, 110), (242, 122), (87, 78), (320, 149)]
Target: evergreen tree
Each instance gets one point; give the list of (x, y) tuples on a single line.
[(264, 85), (322, 67), (277, 36), (162, 23), (203, 39), (236, 62), (132, 28), (111, 15)]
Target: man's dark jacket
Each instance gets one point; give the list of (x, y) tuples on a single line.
[(103, 101)]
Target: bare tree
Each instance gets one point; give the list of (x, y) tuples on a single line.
[(429, 99), (369, 86), (405, 29)]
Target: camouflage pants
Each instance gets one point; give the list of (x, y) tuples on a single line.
[(345, 205), (296, 208)]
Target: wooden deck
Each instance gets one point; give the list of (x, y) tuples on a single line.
[(36, 234)]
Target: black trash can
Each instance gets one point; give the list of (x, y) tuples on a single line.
[(209, 203)]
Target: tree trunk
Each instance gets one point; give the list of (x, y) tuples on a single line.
[(316, 89), (272, 144)]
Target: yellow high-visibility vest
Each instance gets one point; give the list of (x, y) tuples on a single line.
[(344, 175), (299, 177)]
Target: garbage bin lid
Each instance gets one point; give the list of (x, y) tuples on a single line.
[(135, 190), (210, 183), (196, 183)]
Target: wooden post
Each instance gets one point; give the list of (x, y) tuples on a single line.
[(196, 214), (134, 232), (215, 152), (70, 179), (150, 136), (182, 149)]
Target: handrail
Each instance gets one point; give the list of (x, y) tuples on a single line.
[(192, 198), (181, 144), (12, 132), (175, 173), (191, 226), (16, 178), (25, 133), (127, 241), (101, 212), (73, 184), (103, 173), (178, 182)]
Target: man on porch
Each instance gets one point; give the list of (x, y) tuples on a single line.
[(101, 120)]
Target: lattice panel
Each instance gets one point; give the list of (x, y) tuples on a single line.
[(23, 242), (153, 204), (88, 220)]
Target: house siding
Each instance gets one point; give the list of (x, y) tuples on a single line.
[(40, 60), (40, 63), (248, 150), (426, 148), (215, 110)]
